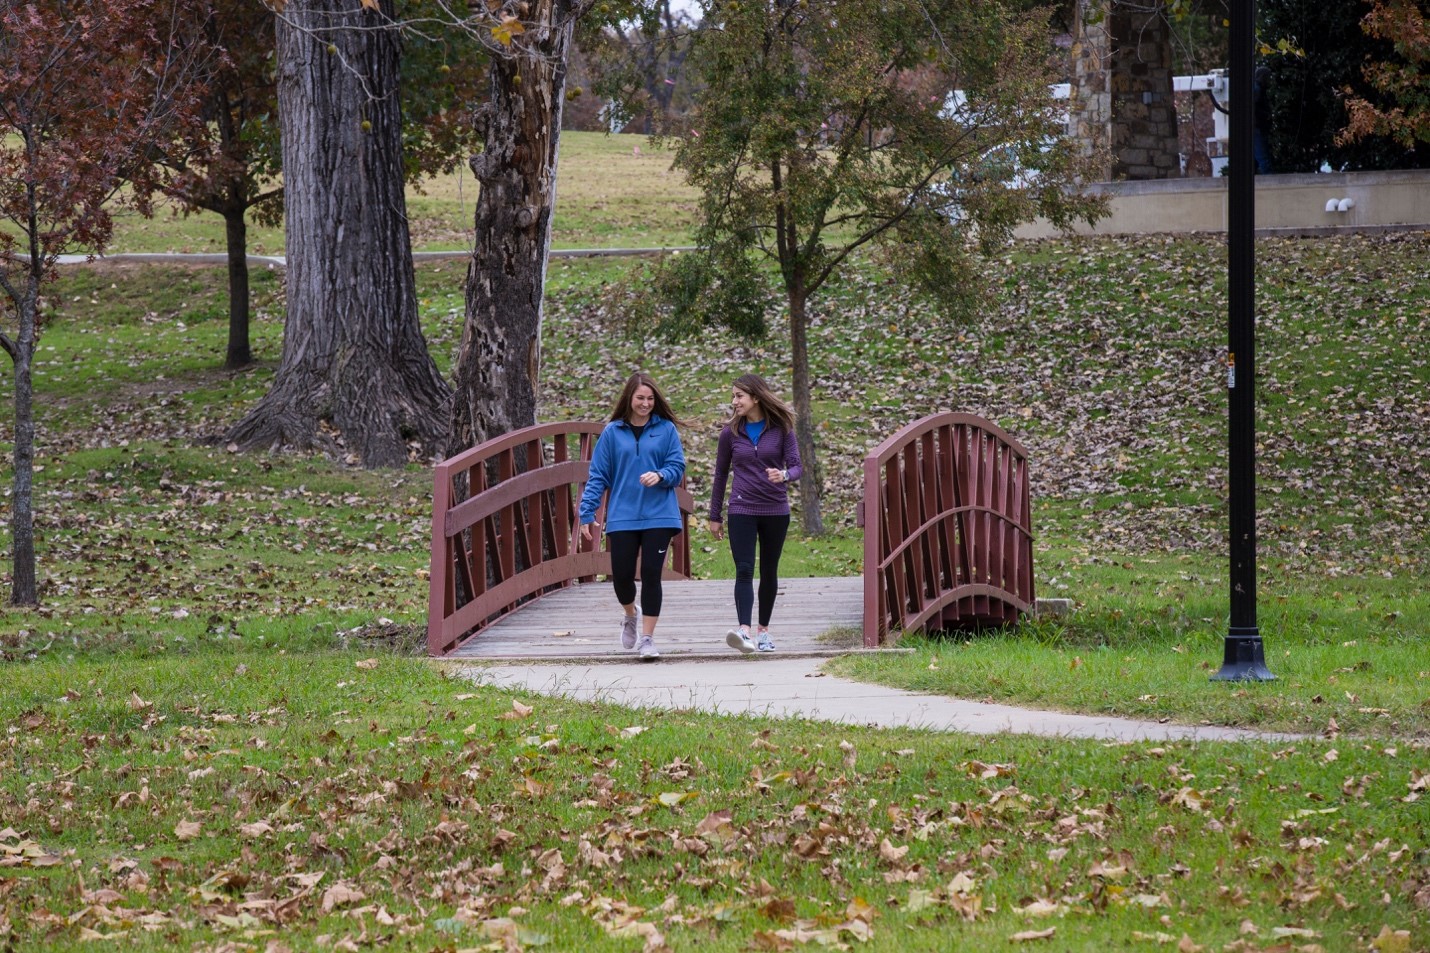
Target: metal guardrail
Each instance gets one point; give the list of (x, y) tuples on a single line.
[(947, 529), (279, 261), (506, 529)]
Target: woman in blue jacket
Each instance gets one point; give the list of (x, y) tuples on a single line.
[(640, 462)]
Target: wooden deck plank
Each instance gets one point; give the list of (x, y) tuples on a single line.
[(583, 622)]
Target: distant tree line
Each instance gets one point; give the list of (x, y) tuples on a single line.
[(1355, 93)]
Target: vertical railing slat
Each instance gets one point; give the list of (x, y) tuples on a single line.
[(928, 542), (480, 540), (872, 510), (913, 555)]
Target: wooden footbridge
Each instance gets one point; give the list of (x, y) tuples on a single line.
[(947, 544)]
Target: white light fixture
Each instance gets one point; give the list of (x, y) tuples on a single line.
[(1345, 205), (1331, 205)]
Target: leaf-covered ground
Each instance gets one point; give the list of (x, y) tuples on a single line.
[(230, 799), (192, 759), (1106, 359)]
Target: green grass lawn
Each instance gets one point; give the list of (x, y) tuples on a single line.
[(1103, 359), (615, 191), (236, 795), (1349, 654), (217, 736)]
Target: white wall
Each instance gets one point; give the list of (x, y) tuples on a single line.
[(1286, 204)]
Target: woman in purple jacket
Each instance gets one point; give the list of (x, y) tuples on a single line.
[(760, 455)]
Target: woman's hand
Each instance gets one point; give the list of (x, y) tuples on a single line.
[(586, 531), (650, 478), (775, 474), (717, 529)]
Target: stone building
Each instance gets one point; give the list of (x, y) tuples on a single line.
[(1121, 101)]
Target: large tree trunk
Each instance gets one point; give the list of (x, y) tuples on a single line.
[(23, 589), (499, 362), (236, 233), (354, 358), (809, 481)]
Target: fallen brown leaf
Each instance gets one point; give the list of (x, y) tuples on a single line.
[(1027, 936)]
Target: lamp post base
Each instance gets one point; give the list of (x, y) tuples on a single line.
[(1244, 658)]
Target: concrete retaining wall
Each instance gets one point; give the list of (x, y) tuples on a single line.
[(1285, 204)]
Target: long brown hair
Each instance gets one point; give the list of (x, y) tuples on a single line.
[(777, 412), (622, 409)]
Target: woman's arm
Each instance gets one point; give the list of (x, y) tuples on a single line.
[(791, 457), (672, 468), (597, 480), (722, 473)]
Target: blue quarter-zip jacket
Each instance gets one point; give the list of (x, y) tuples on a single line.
[(617, 464)]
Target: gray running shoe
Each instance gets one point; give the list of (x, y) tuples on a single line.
[(767, 644), (646, 649), (739, 640), (629, 625)]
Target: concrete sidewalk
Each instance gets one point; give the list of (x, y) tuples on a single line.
[(778, 687)]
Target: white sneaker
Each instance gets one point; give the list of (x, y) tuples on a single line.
[(629, 625), (646, 649), (739, 640), (767, 644)]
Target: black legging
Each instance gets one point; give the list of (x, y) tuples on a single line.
[(651, 544), (770, 531)]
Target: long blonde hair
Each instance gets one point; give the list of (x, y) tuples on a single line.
[(777, 412)]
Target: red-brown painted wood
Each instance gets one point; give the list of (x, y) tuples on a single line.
[(947, 528), (506, 542)]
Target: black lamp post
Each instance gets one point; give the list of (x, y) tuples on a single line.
[(1243, 658)]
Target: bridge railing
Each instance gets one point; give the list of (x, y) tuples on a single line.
[(947, 530), (506, 528)]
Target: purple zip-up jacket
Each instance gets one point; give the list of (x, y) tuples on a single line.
[(751, 492)]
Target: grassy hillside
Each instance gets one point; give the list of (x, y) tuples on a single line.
[(1103, 357), (613, 191), (218, 739)]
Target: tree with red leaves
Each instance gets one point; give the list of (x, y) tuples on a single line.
[(229, 163), (87, 87), (1404, 80)]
